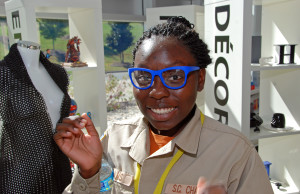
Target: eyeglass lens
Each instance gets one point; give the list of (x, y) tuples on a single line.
[(171, 78)]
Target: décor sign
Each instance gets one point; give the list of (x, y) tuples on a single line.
[(228, 35)]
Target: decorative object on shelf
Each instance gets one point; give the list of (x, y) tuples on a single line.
[(267, 166), (266, 61), (278, 120), (73, 108), (48, 53), (282, 54), (255, 121), (277, 123), (72, 58)]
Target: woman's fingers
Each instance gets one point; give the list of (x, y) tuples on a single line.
[(60, 137), (73, 120), (88, 125), (66, 131), (203, 187), (73, 127)]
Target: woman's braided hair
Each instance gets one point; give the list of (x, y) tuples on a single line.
[(183, 30)]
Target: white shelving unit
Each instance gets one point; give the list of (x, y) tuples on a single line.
[(265, 71), (228, 79), (85, 21), (279, 92)]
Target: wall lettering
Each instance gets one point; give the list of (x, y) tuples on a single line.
[(222, 45)]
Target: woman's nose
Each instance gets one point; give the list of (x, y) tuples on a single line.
[(158, 90)]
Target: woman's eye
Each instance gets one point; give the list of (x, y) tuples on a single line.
[(143, 78), (175, 77)]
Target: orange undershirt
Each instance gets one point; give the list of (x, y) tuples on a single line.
[(157, 141)]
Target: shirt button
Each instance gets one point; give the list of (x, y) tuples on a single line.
[(82, 187)]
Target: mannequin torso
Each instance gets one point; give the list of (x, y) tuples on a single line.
[(33, 97), (40, 78)]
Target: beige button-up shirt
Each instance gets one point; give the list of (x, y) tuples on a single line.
[(215, 151)]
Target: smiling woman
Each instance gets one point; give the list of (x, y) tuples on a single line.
[(172, 144), (164, 54)]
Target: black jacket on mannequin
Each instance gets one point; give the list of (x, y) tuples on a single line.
[(30, 161)]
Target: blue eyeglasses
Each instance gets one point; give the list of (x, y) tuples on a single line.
[(172, 77)]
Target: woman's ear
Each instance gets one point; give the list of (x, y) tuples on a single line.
[(201, 79)]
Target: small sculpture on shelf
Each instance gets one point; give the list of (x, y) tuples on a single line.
[(72, 58), (73, 107), (48, 53)]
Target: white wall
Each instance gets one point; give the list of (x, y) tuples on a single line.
[(121, 8), (132, 7), (164, 3), (194, 13), (284, 154), (281, 91), (280, 25)]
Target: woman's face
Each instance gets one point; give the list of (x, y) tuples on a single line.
[(165, 108)]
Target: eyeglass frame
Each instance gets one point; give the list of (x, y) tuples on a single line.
[(186, 69)]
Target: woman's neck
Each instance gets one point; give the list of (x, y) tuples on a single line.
[(174, 131), (30, 53)]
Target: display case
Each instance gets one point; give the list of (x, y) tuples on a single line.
[(85, 21)]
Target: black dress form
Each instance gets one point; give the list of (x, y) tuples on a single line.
[(30, 161)]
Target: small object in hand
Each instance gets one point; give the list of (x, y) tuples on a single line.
[(89, 114)]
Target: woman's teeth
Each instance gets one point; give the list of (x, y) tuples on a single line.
[(162, 110)]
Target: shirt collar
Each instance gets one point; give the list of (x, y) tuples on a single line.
[(139, 150), (190, 134)]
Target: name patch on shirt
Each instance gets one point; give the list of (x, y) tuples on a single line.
[(180, 188), (123, 177)]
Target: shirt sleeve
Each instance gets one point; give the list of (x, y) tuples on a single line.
[(80, 185), (253, 177)]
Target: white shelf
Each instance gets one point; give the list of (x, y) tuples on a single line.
[(258, 67), (283, 189), (266, 133), (72, 69)]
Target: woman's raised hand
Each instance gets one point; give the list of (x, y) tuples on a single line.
[(83, 149)]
